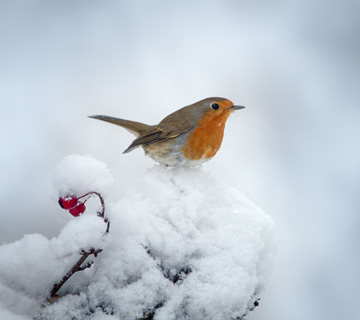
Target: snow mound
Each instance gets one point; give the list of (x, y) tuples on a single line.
[(182, 245), (78, 174)]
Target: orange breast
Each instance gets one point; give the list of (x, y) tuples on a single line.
[(205, 140)]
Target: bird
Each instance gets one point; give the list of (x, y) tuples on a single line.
[(186, 137)]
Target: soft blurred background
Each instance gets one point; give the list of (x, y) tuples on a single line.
[(294, 150)]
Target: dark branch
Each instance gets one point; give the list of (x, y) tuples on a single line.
[(76, 267)]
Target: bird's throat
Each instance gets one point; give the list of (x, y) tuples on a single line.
[(205, 140)]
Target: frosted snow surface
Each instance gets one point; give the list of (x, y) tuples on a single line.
[(181, 246)]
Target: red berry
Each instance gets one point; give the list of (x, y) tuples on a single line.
[(78, 210), (68, 202)]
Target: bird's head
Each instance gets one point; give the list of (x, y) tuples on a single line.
[(215, 107)]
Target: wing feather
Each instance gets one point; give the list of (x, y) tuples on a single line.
[(156, 135)]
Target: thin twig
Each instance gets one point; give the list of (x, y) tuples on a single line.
[(84, 254), (101, 213), (77, 267)]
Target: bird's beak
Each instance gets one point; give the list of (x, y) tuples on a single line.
[(237, 107)]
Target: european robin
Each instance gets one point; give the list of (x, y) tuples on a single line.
[(187, 137)]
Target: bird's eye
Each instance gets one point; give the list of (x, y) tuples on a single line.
[(215, 106)]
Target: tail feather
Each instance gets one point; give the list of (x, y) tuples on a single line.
[(136, 128)]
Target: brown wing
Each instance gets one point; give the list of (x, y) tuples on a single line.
[(167, 129), (175, 124)]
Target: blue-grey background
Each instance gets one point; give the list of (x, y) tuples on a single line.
[(294, 150)]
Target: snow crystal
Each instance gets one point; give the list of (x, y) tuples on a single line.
[(181, 246)]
